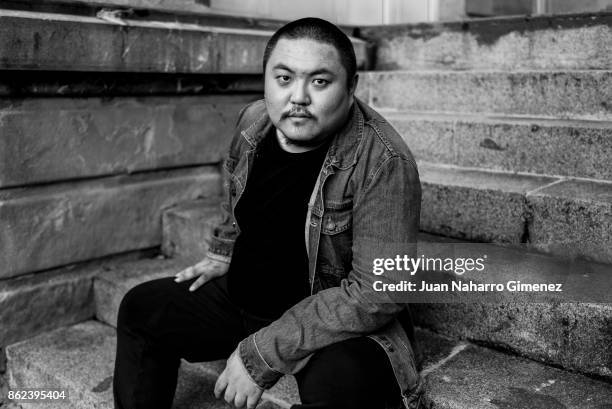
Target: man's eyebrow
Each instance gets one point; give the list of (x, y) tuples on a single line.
[(315, 72)]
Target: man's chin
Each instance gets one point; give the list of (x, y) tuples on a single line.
[(304, 142), (302, 136)]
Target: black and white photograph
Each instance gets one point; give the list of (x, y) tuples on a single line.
[(322, 204)]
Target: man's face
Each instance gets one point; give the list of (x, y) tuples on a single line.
[(306, 91)]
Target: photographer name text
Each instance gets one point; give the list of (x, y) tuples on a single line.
[(467, 286)]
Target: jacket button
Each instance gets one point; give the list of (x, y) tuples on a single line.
[(331, 225), (313, 223)]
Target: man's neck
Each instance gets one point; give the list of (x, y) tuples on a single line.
[(292, 147)]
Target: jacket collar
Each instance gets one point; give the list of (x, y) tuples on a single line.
[(342, 152)]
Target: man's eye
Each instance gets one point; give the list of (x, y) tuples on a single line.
[(283, 79), (320, 82)]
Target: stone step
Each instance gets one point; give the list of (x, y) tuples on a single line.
[(533, 145), (53, 225), (80, 360), (34, 303), (570, 331), (62, 42), (569, 42), (466, 376), (179, 238), (566, 217), (112, 136), (111, 284), (555, 94), (188, 226)]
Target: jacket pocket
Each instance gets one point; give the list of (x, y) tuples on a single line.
[(335, 247)]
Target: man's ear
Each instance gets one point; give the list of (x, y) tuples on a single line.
[(353, 86)]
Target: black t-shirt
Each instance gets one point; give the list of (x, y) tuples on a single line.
[(269, 269)]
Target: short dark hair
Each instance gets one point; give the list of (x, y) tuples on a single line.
[(317, 29)]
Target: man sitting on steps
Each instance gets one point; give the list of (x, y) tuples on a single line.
[(320, 185)]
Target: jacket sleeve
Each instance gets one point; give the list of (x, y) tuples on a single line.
[(224, 233), (385, 225)]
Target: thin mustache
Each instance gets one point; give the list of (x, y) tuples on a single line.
[(297, 113)]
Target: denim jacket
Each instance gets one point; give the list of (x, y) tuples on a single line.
[(365, 205)]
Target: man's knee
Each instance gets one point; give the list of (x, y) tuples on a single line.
[(140, 303), (351, 373)]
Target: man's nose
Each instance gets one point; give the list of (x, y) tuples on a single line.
[(299, 94)]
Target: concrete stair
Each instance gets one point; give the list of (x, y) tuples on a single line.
[(36, 303), (459, 375), (79, 357), (563, 216), (58, 224), (509, 120), (80, 360)]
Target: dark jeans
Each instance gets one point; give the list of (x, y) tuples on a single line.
[(161, 322)]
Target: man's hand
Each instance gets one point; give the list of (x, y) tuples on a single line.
[(237, 385), (206, 269)]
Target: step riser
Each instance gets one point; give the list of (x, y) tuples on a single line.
[(45, 302), (572, 336), (473, 214), (108, 137), (41, 302), (573, 226), (559, 42), (566, 218), (580, 94), (177, 221), (56, 225), (115, 281), (549, 150), (79, 361)]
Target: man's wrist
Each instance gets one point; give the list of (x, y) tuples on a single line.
[(258, 369), (218, 257)]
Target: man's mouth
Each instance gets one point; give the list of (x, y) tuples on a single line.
[(297, 113)]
